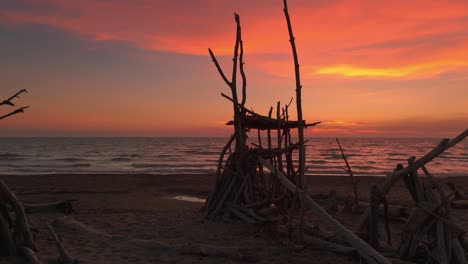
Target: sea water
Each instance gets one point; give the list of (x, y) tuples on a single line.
[(367, 156)]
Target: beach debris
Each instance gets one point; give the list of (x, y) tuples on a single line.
[(64, 207), (430, 234), (64, 257), (15, 232), (354, 181)]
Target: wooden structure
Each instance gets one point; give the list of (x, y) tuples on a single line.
[(429, 234), (243, 189), (260, 182)]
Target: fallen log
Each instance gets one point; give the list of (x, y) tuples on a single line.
[(459, 204), (237, 253), (64, 257), (29, 254), (439, 149), (364, 250), (416, 164), (330, 246), (458, 194), (64, 207), (21, 222)]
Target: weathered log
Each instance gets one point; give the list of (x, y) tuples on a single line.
[(458, 194), (439, 149), (7, 246), (392, 179), (458, 252), (459, 204), (22, 226), (364, 250), (330, 246), (64, 257), (412, 182), (64, 207), (29, 254)]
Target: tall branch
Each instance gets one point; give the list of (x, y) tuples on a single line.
[(8, 101), (244, 79), (302, 183)]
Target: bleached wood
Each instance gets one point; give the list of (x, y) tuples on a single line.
[(364, 250)]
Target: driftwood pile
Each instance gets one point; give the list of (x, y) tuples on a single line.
[(15, 233), (243, 188), (429, 235), (260, 184)]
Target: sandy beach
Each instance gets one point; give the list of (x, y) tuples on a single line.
[(139, 207)]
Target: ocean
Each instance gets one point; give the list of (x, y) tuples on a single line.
[(367, 156)]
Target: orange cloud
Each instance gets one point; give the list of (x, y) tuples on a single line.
[(418, 70)]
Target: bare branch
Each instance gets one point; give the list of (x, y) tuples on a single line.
[(17, 111), (302, 183), (244, 79), (8, 101), (219, 68)]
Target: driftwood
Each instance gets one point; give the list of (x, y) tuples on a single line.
[(459, 204), (64, 207), (21, 222), (458, 194), (351, 174), (364, 250), (237, 253), (29, 254), (64, 257), (415, 164), (441, 148)]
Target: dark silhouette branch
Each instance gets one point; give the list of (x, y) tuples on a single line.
[(244, 78), (353, 181), (17, 111), (8, 101), (215, 61), (298, 100)]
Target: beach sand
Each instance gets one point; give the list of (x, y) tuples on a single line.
[(138, 206)]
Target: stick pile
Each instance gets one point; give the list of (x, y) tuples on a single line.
[(264, 182)]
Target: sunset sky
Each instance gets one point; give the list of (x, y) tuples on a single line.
[(142, 68)]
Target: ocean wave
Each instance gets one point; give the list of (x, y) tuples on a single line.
[(170, 165), (145, 165), (46, 166), (396, 154), (12, 156), (70, 159), (121, 159), (318, 161)]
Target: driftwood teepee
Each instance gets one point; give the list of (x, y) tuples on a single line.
[(242, 187), (262, 184)]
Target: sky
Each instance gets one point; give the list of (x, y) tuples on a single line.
[(141, 68)]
